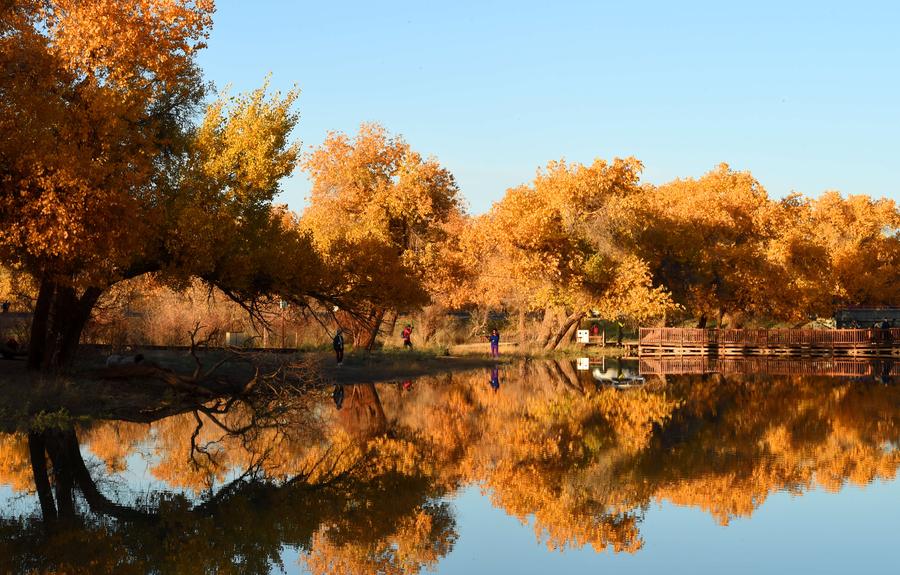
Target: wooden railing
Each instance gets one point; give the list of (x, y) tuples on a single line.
[(762, 338)]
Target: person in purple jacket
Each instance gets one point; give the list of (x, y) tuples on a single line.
[(494, 338)]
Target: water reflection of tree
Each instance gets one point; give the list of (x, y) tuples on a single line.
[(358, 490), (584, 462), (264, 477)]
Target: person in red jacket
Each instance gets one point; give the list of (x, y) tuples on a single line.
[(406, 335)]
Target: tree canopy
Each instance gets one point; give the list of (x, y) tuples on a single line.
[(123, 167)]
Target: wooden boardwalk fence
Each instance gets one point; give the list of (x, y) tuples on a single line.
[(692, 341)]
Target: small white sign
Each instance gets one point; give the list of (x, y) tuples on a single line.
[(583, 336), (583, 363)]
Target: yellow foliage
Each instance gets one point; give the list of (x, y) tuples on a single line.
[(378, 211)]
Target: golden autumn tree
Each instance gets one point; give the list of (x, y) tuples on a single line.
[(721, 245), (378, 211), (104, 177), (798, 264), (113, 80), (705, 239), (551, 246), (861, 237)]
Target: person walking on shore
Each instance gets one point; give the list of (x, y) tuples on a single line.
[(406, 334), (338, 344)]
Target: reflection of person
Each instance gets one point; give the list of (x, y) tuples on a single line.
[(494, 338), (406, 335), (495, 378), (884, 375), (338, 344), (338, 396)]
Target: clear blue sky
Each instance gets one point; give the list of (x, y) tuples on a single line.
[(806, 95)]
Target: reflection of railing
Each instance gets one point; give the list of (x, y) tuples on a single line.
[(671, 340), (769, 366)]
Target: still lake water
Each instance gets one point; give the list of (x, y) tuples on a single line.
[(536, 467)]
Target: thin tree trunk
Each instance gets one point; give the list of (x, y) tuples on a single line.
[(374, 328), (522, 326), (392, 323)]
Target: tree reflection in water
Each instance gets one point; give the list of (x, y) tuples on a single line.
[(361, 489)]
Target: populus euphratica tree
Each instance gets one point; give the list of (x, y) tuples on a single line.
[(378, 212), (552, 246), (104, 177)]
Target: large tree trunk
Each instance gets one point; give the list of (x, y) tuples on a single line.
[(59, 318), (40, 321), (570, 322), (69, 471), (548, 326), (363, 414), (36, 447), (572, 333), (63, 476), (568, 375), (433, 317), (391, 323)]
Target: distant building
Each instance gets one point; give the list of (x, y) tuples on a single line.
[(866, 316)]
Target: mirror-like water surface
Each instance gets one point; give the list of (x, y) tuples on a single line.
[(529, 468)]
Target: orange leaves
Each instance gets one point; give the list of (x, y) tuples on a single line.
[(553, 240), (112, 75), (861, 237), (417, 542), (109, 179), (632, 294), (127, 43), (591, 237), (720, 244), (387, 190), (373, 195), (704, 239)]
